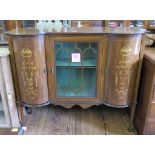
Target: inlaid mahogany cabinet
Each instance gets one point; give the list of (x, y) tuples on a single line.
[(145, 111), (85, 66)]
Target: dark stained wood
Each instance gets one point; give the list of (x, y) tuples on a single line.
[(29, 53), (150, 54), (122, 64), (134, 103), (12, 24), (83, 104), (145, 111), (56, 120)]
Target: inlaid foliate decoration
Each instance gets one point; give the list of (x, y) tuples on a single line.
[(122, 65), (122, 74), (29, 74)]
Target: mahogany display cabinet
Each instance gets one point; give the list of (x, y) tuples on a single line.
[(77, 66), (145, 110)]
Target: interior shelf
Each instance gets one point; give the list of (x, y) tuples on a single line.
[(76, 82), (75, 91), (86, 63)]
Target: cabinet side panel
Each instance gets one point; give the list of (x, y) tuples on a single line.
[(143, 105), (153, 92), (29, 52), (122, 63)]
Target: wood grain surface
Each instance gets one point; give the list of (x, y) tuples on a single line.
[(56, 120), (29, 53), (122, 64)]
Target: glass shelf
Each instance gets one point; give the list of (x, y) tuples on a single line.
[(76, 64), (87, 63)]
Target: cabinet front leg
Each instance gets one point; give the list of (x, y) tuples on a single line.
[(28, 110)]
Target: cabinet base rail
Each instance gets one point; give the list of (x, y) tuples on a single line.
[(71, 104), (35, 105)]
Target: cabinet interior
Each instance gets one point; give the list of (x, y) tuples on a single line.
[(76, 68)]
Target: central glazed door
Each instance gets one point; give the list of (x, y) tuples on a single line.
[(75, 69)]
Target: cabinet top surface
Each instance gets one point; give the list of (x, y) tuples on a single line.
[(76, 30), (151, 36), (149, 53)]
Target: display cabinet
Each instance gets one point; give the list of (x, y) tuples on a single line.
[(8, 109), (77, 66)]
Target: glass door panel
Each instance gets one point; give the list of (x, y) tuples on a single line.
[(137, 23), (116, 23), (76, 64), (76, 82)]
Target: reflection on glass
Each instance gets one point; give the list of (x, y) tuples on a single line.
[(116, 23), (76, 82), (87, 51), (76, 68), (29, 23), (137, 23), (2, 116), (152, 23)]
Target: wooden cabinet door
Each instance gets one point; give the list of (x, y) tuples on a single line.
[(122, 62), (30, 64), (75, 65)]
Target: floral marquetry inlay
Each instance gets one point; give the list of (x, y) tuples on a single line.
[(26, 53), (29, 74), (126, 51), (123, 72)]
